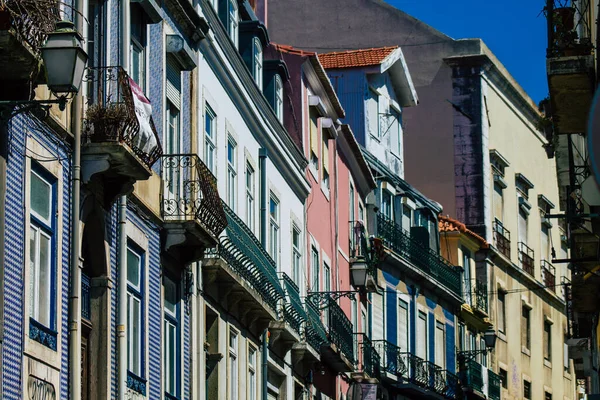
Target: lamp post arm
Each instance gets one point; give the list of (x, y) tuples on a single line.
[(12, 108)]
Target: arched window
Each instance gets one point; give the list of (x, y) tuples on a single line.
[(233, 22), (279, 98), (258, 61)]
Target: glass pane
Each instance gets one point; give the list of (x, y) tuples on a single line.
[(171, 300), (274, 208), (231, 153), (41, 197), (172, 371), (133, 268), (136, 337), (44, 282), (33, 278)]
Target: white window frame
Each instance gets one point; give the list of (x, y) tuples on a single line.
[(296, 255), (231, 173), (172, 319), (210, 138), (250, 215), (274, 228), (257, 62), (279, 98), (135, 294), (315, 269), (233, 346), (252, 381), (232, 22)]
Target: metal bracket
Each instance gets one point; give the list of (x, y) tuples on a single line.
[(40, 108), (321, 299)]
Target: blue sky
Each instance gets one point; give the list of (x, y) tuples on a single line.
[(515, 30)]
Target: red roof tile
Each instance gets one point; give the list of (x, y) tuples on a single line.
[(447, 224), (292, 50), (355, 58)]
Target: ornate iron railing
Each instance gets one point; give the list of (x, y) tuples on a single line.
[(31, 20), (473, 376), (526, 258), (242, 250), (293, 311), (569, 27), (418, 370), (392, 359), (451, 387), (481, 296), (368, 359), (340, 329), (493, 385), (85, 297), (501, 238), (190, 192), (436, 380), (315, 333), (548, 275), (111, 114), (427, 260)]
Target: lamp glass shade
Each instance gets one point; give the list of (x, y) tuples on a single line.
[(490, 338), (64, 59), (359, 271)]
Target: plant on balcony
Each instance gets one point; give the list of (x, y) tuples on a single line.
[(31, 20), (565, 40), (105, 122)]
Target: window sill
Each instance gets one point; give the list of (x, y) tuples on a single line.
[(314, 172), (502, 336), (547, 363), (566, 374), (526, 351)]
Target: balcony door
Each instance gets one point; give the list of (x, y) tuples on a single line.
[(173, 167)]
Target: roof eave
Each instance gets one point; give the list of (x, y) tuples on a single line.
[(395, 65)]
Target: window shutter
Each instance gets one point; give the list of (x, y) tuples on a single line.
[(566, 356), (325, 154), (314, 134), (522, 227), (498, 202), (422, 336), (377, 317), (440, 345), (174, 82), (402, 325)]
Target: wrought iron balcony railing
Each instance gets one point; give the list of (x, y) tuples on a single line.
[(451, 388), (293, 310), (31, 20), (340, 329), (501, 238), (569, 27), (481, 296), (85, 297), (392, 358), (242, 250), (111, 115), (190, 192), (493, 385), (565, 286), (526, 258), (425, 259), (368, 359), (548, 275), (472, 376), (418, 370), (315, 333)]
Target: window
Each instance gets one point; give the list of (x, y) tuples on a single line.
[(422, 335), (274, 228), (314, 137), (386, 204), (565, 353), (526, 390), (522, 227), (406, 217), (171, 342), (137, 56), (314, 260), (296, 256), (173, 146), (498, 202), (326, 287), (440, 344), (134, 312), (547, 396), (484, 354), (233, 366), (231, 173), (251, 373), (466, 264), (41, 250), (232, 23), (403, 325), (373, 113), (501, 312), (250, 196), (547, 340), (257, 70), (352, 204), (210, 137), (525, 328), (279, 98), (504, 378), (325, 158), (545, 246), (395, 129)]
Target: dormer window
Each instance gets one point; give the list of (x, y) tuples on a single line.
[(232, 21), (257, 61), (279, 98)]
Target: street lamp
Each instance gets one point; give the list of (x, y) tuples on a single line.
[(359, 271), (64, 60), (489, 337)]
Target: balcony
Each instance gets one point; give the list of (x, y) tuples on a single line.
[(362, 254), (315, 334), (118, 148), (570, 63), (481, 297), (480, 382), (285, 332), (24, 26), (526, 259), (423, 258), (86, 306), (368, 361), (494, 383), (548, 275), (241, 275), (192, 212), (501, 238)]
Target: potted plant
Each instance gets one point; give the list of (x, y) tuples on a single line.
[(105, 122), (564, 18)]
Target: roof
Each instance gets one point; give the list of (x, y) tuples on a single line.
[(292, 50), (356, 58), (447, 224)]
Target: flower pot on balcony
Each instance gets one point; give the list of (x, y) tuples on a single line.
[(105, 123), (564, 18)]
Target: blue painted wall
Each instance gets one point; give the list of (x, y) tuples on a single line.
[(351, 87)]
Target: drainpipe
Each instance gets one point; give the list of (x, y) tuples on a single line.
[(122, 262), (262, 170), (81, 7), (3, 162)]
